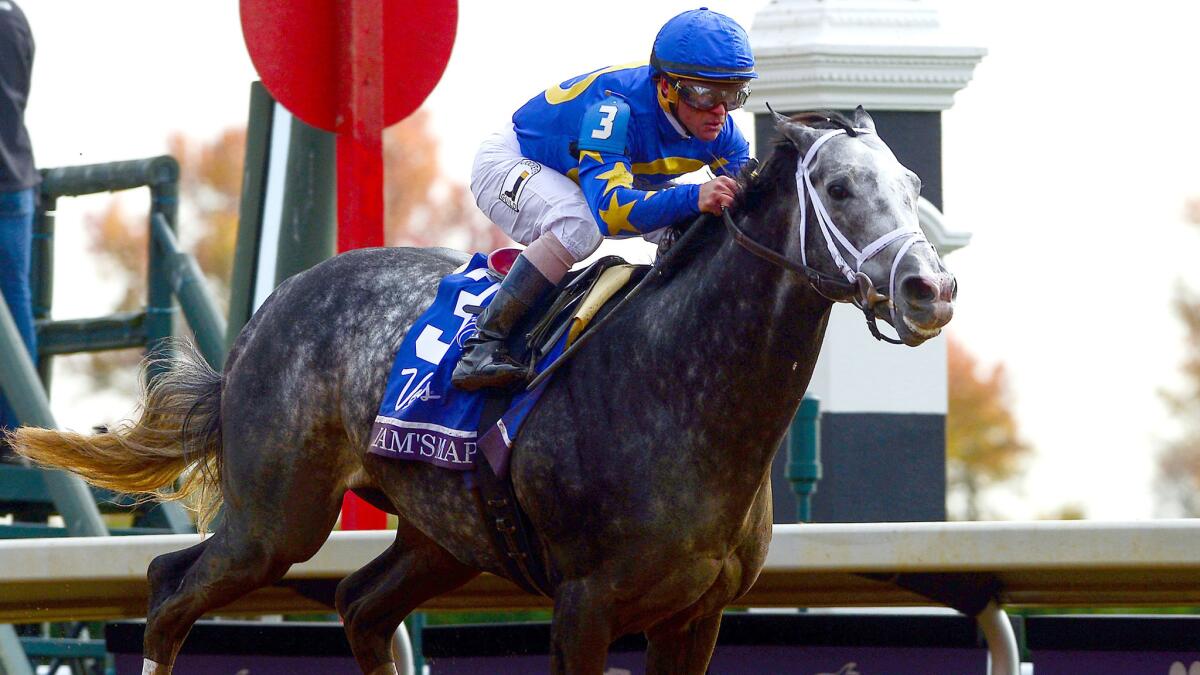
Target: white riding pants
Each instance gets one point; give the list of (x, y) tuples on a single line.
[(528, 199)]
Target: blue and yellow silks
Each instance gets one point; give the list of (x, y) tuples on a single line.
[(606, 128)]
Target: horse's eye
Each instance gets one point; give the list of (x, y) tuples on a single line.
[(838, 191)]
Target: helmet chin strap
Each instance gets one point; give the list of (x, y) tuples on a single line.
[(669, 104)]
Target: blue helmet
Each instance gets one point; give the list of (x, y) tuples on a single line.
[(705, 45)]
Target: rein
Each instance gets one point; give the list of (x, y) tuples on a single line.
[(857, 286), (829, 287)]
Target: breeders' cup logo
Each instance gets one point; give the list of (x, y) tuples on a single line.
[(515, 182), (469, 330)]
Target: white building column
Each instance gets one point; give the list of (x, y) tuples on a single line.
[(884, 406)]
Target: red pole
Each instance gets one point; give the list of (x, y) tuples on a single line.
[(359, 515), (328, 62), (360, 164), (360, 125)]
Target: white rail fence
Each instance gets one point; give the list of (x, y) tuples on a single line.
[(1043, 563)]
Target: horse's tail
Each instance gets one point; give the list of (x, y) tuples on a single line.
[(179, 428)]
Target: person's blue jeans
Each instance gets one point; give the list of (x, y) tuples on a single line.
[(16, 235)]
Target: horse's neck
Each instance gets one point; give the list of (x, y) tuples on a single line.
[(751, 333)]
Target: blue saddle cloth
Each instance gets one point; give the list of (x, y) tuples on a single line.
[(423, 417)]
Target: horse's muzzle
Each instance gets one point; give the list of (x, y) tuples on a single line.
[(925, 303)]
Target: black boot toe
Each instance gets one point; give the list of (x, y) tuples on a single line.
[(486, 365)]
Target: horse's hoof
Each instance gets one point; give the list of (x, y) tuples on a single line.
[(154, 668)]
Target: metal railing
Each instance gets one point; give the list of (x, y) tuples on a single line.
[(172, 274)]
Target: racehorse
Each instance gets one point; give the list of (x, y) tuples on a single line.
[(644, 469)]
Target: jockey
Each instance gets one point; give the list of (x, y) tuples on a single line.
[(566, 173)]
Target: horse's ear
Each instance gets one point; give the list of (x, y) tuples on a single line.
[(780, 120), (800, 135), (862, 120)]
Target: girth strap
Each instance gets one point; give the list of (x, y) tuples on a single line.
[(508, 528)]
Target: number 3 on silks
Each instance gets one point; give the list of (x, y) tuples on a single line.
[(429, 346), (605, 130), (604, 126)]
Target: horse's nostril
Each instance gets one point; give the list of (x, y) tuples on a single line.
[(919, 289)]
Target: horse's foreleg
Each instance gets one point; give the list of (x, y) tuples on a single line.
[(375, 599), (682, 650), (582, 629)]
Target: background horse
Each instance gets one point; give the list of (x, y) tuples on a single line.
[(645, 468)]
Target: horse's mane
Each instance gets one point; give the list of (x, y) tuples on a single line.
[(757, 181)]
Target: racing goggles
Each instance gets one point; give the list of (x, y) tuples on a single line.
[(706, 96)]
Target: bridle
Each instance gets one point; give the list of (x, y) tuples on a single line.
[(856, 287)]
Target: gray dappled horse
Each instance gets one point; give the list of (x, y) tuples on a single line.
[(645, 468)]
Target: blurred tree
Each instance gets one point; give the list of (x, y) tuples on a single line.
[(118, 241), (1178, 479), (422, 208), (983, 446), (210, 189)]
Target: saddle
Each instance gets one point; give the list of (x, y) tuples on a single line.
[(586, 295), (574, 307)]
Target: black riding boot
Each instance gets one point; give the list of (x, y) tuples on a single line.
[(485, 361)]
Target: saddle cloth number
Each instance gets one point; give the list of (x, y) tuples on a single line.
[(429, 346)]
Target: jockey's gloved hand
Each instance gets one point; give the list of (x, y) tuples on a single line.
[(717, 194)]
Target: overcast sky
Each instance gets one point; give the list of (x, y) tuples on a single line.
[(1069, 156)]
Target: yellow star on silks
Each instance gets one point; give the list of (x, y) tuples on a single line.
[(590, 154), (618, 176), (616, 217)]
